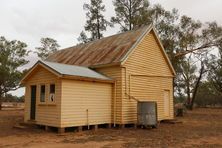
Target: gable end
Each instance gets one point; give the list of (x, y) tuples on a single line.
[(150, 30)]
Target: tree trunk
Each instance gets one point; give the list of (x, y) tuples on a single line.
[(196, 87), (188, 93), (130, 15), (98, 26)]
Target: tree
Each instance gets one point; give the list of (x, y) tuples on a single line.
[(184, 39), (11, 98), (12, 57), (130, 13), (197, 84), (166, 24), (48, 46), (83, 38), (95, 23), (186, 77), (215, 72), (208, 95), (215, 76)]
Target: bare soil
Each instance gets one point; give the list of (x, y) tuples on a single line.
[(200, 128)]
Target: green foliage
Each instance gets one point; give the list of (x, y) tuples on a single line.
[(208, 95), (213, 36), (12, 57), (83, 38), (48, 46), (95, 23), (215, 73), (130, 13), (11, 98), (182, 36), (186, 41), (186, 77), (179, 99)]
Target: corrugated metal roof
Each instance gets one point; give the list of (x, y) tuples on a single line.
[(108, 50), (72, 70)]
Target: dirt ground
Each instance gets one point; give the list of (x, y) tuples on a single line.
[(200, 128)]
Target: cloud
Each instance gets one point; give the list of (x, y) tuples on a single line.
[(203, 10)]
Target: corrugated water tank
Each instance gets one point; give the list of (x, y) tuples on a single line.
[(147, 113)]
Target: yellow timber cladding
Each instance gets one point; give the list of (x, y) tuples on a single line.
[(85, 103), (77, 103), (115, 73), (47, 113), (145, 76)]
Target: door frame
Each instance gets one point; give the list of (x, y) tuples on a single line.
[(164, 104), (33, 102)]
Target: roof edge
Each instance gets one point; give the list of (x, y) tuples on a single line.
[(81, 78), (65, 76), (149, 28), (39, 62), (164, 52)]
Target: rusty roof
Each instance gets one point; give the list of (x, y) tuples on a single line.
[(108, 50)]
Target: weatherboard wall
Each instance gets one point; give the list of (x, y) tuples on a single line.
[(114, 72), (85, 103), (47, 113), (145, 76)]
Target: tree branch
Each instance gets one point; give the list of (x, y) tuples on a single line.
[(192, 50)]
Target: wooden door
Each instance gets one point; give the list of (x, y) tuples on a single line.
[(166, 103), (33, 102)]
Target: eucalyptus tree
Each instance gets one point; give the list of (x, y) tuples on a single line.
[(48, 46), (12, 56), (130, 13), (96, 23)]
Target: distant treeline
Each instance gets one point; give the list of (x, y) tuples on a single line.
[(11, 98), (207, 95)]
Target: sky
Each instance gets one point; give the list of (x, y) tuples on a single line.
[(63, 20)]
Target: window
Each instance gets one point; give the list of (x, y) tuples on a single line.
[(52, 89), (42, 93), (52, 93)]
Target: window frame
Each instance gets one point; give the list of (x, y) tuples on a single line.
[(52, 91), (40, 93), (50, 88)]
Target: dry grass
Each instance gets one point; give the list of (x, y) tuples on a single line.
[(200, 128)]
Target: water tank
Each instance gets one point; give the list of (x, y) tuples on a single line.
[(147, 113)]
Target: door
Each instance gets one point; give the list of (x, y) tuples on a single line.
[(166, 103), (33, 102)]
